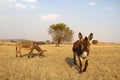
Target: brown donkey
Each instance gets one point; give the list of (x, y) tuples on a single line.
[(81, 49), (28, 45)]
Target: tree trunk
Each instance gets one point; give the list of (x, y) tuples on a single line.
[(58, 42), (57, 45)]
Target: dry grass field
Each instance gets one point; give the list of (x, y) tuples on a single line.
[(58, 64)]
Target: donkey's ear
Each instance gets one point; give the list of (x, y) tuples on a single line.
[(90, 36), (80, 36)]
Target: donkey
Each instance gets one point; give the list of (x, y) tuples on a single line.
[(81, 49), (28, 45)]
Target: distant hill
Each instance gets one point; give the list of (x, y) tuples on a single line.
[(8, 41), (14, 40)]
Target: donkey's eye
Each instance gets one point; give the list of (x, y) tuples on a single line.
[(81, 46)]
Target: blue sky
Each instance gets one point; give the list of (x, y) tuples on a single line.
[(30, 19)]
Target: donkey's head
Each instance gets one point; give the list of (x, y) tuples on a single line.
[(85, 43)]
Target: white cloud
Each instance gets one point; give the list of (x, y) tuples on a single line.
[(6, 3), (32, 6), (92, 4), (50, 17), (31, 1), (18, 5)]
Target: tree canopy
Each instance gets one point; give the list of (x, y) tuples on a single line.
[(60, 32)]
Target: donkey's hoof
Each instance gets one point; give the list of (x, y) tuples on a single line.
[(75, 63), (41, 56), (28, 56), (80, 71), (20, 56), (84, 70)]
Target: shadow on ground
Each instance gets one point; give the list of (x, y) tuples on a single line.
[(70, 62), (33, 55)]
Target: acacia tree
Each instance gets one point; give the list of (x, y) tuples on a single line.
[(60, 32)]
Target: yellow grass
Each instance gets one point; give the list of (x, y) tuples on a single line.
[(58, 64)]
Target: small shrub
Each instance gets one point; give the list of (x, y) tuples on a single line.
[(94, 41), (47, 42)]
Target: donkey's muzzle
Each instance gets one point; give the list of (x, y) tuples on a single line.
[(84, 55)]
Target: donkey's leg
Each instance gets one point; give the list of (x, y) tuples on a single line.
[(40, 53), (80, 64), (74, 56), (20, 53), (16, 53), (31, 51), (86, 65)]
